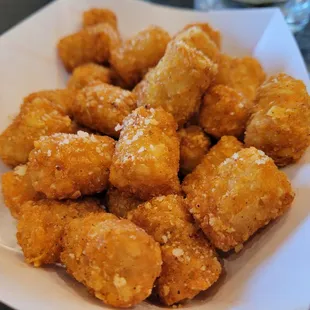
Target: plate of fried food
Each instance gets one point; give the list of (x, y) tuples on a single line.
[(155, 158)]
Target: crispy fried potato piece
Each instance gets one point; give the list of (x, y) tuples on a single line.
[(246, 193), (67, 166), (89, 74), (116, 260), (62, 98), (224, 112), (92, 44), (189, 262), (102, 107), (41, 226), (146, 158), (17, 189), (188, 268), (215, 35), (195, 37), (195, 183), (134, 57), (37, 117), (178, 81), (194, 144), (280, 125), (96, 16), (245, 74), (120, 203)]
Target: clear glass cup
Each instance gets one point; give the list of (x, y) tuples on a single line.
[(296, 12)]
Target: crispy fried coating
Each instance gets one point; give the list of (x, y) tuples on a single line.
[(134, 57), (195, 183), (62, 98), (178, 81), (89, 74), (146, 158), (189, 262), (165, 218), (67, 165), (102, 107), (246, 193), (195, 37), (116, 260), (215, 35), (37, 117), (92, 44), (194, 144), (188, 269), (17, 189), (245, 74), (41, 226), (224, 112), (96, 16), (120, 203), (280, 124)]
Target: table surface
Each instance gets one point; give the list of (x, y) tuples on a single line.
[(13, 11)]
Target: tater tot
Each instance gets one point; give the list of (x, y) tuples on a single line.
[(188, 268), (146, 158), (178, 82), (197, 38), (41, 226), (67, 165), (224, 112), (246, 193), (17, 189), (189, 262), (88, 74), (120, 203), (61, 98), (194, 144), (134, 57), (37, 117), (102, 107), (92, 44), (116, 260), (215, 35), (280, 124), (96, 16), (245, 74), (200, 177)]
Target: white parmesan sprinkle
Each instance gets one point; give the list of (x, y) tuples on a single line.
[(119, 281), (20, 170), (141, 149), (177, 252), (82, 134), (118, 127), (49, 153), (235, 156), (165, 238)]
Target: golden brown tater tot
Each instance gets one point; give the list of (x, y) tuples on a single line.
[(280, 124), (134, 57), (41, 226), (116, 260), (146, 158), (102, 107), (67, 165)]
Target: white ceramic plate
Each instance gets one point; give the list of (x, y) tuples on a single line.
[(273, 271)]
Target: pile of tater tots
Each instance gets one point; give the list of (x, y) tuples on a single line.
[(160, 155)]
